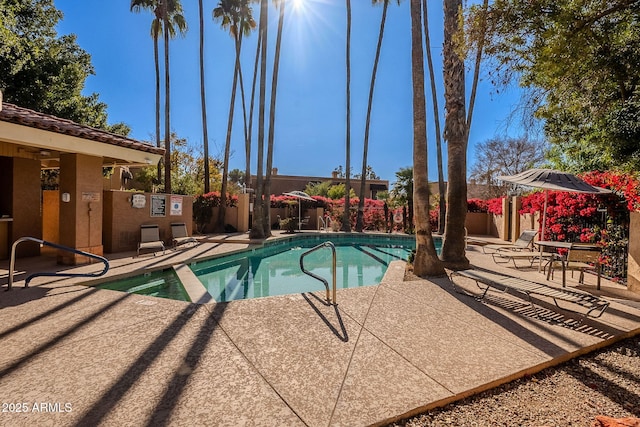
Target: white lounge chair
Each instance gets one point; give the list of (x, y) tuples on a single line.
[(150, 238), (523, 242)]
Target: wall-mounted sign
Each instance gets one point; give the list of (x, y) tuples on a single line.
[(158, 205), (138, 201), (90, 196), (176, 206)]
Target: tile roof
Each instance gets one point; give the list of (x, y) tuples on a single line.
[(23, 116)]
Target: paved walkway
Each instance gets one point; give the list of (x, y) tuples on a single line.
[(75, 355)]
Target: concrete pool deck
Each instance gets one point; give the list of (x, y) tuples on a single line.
[(76, 355)]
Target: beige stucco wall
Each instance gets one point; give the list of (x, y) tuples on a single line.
[(122, 221)]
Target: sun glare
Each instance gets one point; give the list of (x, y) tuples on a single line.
[(298, 5)]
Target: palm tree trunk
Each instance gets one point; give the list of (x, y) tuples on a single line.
[(167, 104), (436, 118), (251, 104), (227, 145), (455, 132), (257, 229), (272, 120), (346, 218), (156, 58), (365, 149), (426, 262), (205, 137)]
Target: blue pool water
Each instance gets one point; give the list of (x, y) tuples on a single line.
[(275, 268), (163, 284)]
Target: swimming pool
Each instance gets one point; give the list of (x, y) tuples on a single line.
[(274, 269), (162, 284)]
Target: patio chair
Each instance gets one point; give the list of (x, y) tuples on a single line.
[(523, 242), (150, 238), (580, 258), (180, 235)]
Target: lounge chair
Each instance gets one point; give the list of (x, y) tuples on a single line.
[(523, 242), (504, 257), (594, 305), (150, 238), (180, 235)]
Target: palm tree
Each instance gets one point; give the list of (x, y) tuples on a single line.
[(205, 137), (455, 132), (436, 118), (172, 19), (156, 29), (235, 15), (257, 229), (346, 218), (363, 177), (426, 262), (272, 115)]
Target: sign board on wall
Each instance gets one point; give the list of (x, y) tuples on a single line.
[(158, 205), (138, 201), (176, 206)]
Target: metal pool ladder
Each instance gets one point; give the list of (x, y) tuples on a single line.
[(315, 276), (53, 245)]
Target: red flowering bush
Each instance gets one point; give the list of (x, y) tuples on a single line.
[(494, 206), (579, 216)]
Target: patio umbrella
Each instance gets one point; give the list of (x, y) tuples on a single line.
[(301, 195), (550, 179)]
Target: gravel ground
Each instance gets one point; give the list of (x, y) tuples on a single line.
[(606, 382)]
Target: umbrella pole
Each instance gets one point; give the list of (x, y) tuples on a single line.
[(544, 225), (299, 214)]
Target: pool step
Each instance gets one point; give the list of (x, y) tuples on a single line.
[(197, 292)]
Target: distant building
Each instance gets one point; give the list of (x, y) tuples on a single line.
[(285, 183)]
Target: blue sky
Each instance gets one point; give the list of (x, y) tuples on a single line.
[(311, 103)]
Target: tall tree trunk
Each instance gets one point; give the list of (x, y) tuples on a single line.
[(251, 104), (455, 132), (365, 149), (205, 137), (220, 223), (156, 58), (167, 104), (272, 119), (346, 218), (257, 229), (442, 208), (426, 262)]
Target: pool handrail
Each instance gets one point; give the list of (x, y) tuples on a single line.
[(49, 274), (315, 276)]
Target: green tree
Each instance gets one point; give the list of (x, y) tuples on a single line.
[(365, 149), (579, 61), (426, 262), (43, 71)]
